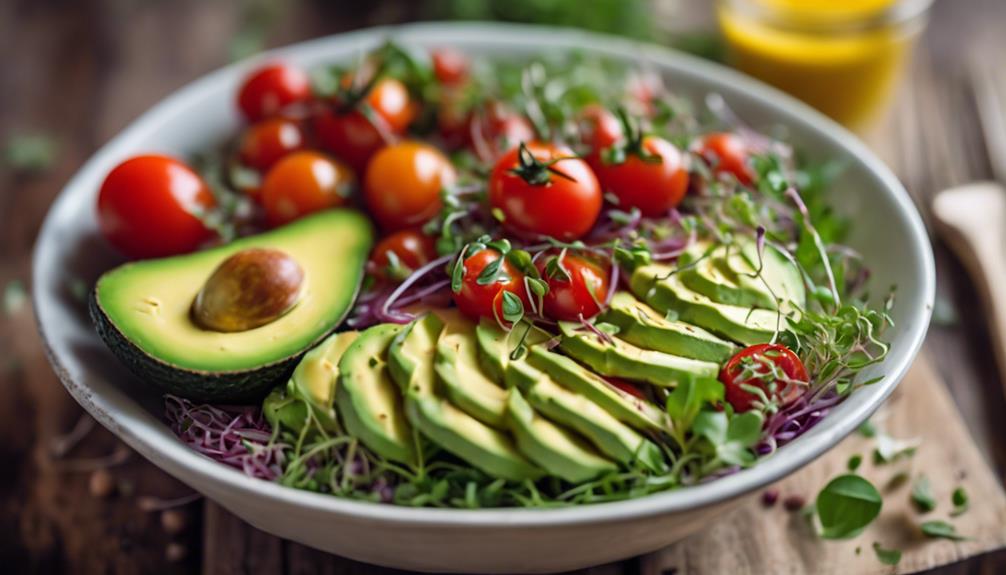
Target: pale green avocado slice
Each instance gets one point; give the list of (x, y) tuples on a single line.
[(641, 325), (368, 401), (618, 358), (311, 386), (656, 285), (707, 276), (465, 383), (558, 451), (561, 405), (497, 344), (625, 407), (142, 310), (779, 272), (412, 357)]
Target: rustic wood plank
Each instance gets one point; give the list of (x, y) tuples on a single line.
[(756, 539)]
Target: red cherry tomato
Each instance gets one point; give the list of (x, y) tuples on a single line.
[(727, 153), (302, 183), (403, 182), (577, 286), (148, 204), (410, 249), (541, 189), (654, 183), (476, 300), (497, 129), (271, 89), (450, 66), (354, 136), (629, 387), (599, 128), (264, 143), (753, 366)]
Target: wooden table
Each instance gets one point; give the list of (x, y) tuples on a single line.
[(80, 71)]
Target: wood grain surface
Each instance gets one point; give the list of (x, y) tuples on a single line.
[(80, 71)]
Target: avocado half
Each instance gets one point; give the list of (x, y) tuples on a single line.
[(142, 311)]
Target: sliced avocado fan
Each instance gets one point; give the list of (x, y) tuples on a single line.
[(496, 345), (412, 359), (368, 400), (465, 383)]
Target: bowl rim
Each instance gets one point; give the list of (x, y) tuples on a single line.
[(186, 464)]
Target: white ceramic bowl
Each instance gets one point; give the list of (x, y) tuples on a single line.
[(888, 231)]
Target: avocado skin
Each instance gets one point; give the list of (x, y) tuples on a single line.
[(238, 387)]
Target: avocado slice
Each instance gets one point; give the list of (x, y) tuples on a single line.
[(558, 451), (612, 437), (641, 325), (724, 277), (412, 359), (142, 311), (312, 386), (497, 344), (618, 358), (367, 399), (778, 271), (625, 407), (662, 289), (464, 382)]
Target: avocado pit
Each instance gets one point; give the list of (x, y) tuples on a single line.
[(251, 288)]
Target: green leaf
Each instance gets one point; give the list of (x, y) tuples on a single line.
[(960, 501), (731, 437), (688, 399), (513, 308), (867, 429), (846, 506), (922, 495), (854, 462), (492, 273), (939, 529), (458, 272), (887, 556)]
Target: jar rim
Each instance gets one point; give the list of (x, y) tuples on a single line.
[(899, 12)]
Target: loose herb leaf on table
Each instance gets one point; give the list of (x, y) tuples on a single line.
[(846, 506)]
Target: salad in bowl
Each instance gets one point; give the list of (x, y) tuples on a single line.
[(426, 279)]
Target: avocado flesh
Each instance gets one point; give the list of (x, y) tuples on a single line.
[(558, 451), (657, 286), (495, 345), (643, 326), (368, 401), (494, 452), (708, 277), (312, 386), (625, 407), (618, 358), (779, 272), (561, 405), (464, 382), (142, 311)]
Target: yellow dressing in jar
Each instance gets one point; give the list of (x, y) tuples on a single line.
[(841, 56)]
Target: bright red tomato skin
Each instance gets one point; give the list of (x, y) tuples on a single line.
[(653, 187), (727, 153), (302, 183), (146, 207), (629, 387), (782, 356), (599, 128), (352, 137), (450, 66), (477, 301), (412, 247), (569, 300), (403, 182), (497, 129), (264, 143), (272, 88), (564, 209)]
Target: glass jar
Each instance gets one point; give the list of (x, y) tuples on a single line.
[(843, 57)]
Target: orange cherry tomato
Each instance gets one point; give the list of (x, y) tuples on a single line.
[(477, 299), (272, 88), (577, 286), (355, 135), (543, 189), (753, 367), (401, 253), (302, 183), (727, 154), (147, 207), (264, 143), (654, 181), (403, 182)]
